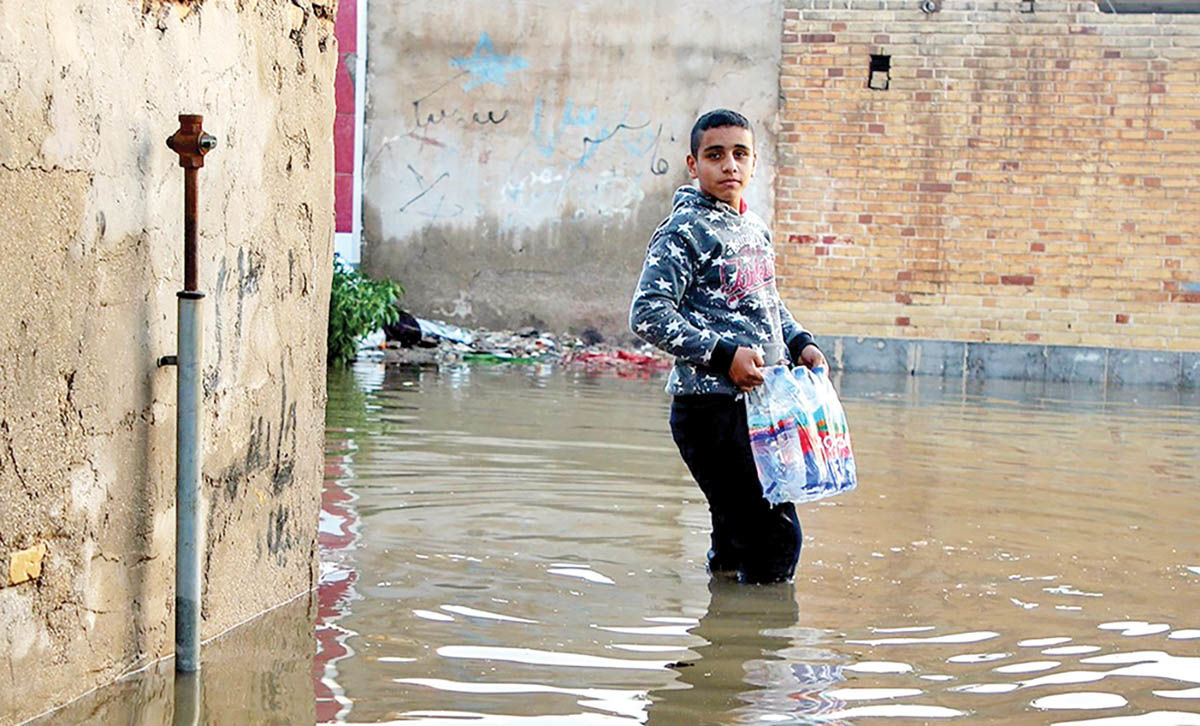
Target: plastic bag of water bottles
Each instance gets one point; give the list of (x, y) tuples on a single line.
[(799, 436)]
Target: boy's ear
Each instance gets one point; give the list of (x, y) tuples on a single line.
[(691, 165)]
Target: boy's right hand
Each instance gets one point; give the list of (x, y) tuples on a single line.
[(745, 370)]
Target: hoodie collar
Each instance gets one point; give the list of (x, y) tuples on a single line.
[(689, 195)]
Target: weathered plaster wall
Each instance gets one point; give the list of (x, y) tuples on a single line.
[(91, 241), (518, 155)]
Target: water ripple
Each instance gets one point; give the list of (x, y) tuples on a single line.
[(546, 657)]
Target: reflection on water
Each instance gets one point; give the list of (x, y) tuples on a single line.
[(338, 535), (258, 673), (754, 658), (522, 545), (518, 545)]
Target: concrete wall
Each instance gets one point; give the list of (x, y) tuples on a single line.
[(518, 155), (1026, 178), (91, 241)]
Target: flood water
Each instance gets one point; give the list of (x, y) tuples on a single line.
[(522, 544)]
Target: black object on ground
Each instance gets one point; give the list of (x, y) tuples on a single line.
[(406, 331)]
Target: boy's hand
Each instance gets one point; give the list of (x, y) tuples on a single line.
[(744, 370), (812, 356)]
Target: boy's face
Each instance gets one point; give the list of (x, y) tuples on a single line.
[(725, 164)]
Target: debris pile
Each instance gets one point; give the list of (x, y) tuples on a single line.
[(623, 362), (416, 341)]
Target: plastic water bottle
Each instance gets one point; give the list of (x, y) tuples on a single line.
[(776, 439), (798, 436)]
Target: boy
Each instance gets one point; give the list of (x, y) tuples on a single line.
[(707, 296)]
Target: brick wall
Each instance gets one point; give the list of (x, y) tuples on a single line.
[(1025, 176)]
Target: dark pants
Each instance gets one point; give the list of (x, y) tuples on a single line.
[(759, 541)]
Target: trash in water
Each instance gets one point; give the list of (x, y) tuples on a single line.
[(434, 329), (417, 341)]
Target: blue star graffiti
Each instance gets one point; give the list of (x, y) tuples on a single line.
[(485, 65)]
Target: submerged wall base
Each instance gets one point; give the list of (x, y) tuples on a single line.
[(974, 360)]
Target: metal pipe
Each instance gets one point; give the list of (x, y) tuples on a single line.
[(190, 202), (188, 533), (191, 143)]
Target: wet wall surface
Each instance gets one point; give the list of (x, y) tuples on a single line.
[(259, 673), (1076, 365), (521, 544)]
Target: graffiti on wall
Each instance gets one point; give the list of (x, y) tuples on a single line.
[(474, 145), (435, 205), (583, 125), (485, 65), (658, 165)]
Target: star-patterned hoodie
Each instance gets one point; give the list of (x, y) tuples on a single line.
[(708, 287)]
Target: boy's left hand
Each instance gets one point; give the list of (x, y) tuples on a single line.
[(812, 356)]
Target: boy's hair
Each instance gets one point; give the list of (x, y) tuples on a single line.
[(715, 119)]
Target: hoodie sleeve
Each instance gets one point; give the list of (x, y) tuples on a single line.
[(655, 317)]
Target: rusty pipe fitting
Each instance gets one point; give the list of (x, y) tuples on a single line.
[(191, 143)]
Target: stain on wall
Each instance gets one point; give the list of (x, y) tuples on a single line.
[(518, 156)]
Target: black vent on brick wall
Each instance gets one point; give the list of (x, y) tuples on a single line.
[(880, 73)]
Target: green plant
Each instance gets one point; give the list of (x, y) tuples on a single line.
[(357, 305)]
